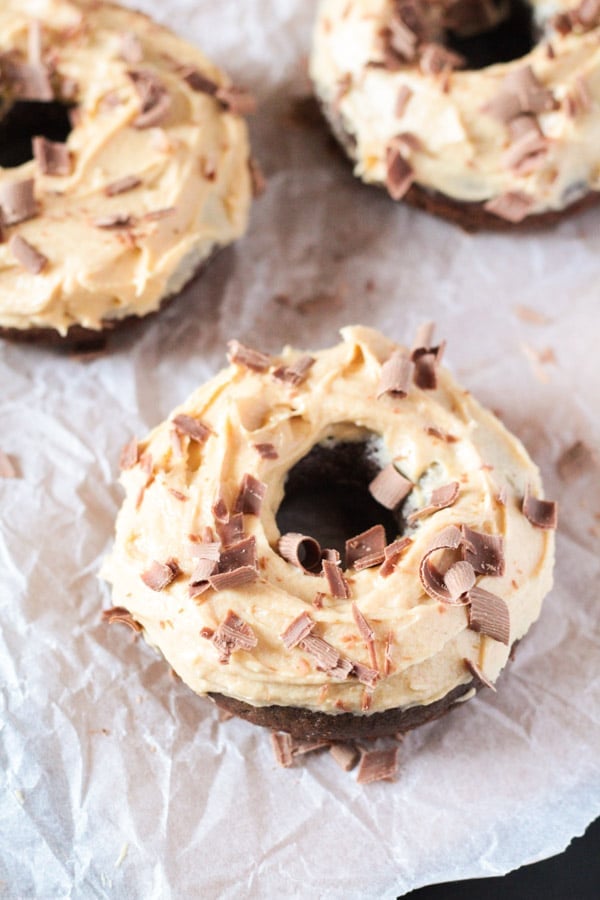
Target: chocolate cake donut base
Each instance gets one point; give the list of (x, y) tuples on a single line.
[(306, 724), (469, 216)]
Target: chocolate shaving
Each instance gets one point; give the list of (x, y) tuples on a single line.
[(204, 568), (365, 675), (368, 635), (7, 470), (243, 553), (28, 81), (233, 634), (370, 560), (426, 357), (154, 97), (297, 630), (520, 92), (191, 427), (437, 60), (338, 586), (122, 185), (479, 674), (396, 375), (345, 755), (401, 39), (17, 201), (441, 498), (266, 451), (330, 554), (587, 14), (160, 575), (198, 81), (389, 487), (257, 178), (575, 461), (52, 157), (489, 615), (378, 765), (367, 544), (245, 356), (297, 372), (441, 435), (399, 173), (459, 579), (230, 529), (392, 554), (131, 48), (206, 549), (251, 495), (513, 206), (402, 99), (301, 550), (281, 742), (485, 552), (541, 513), (130, 454), (449, 538), (325, 656), (115, 220), (300, 748), (27, 255), (236, 100), (120, 614), (222, 581), (528, 145)]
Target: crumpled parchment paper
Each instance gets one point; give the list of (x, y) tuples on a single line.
[(117, 781)]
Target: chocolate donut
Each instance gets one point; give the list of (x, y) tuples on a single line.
[(225, 552), (482, 111), (125, 165)]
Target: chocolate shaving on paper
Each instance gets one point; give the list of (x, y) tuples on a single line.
[(266, 451), (27, 255), (130, 454), (281, 742), (301, 550), (191, 427), (122, 185), (297, 372), (7, 470), (52, 157), (236, 100), (389, 487), (399, 173), (541, 513), (297, 630), (160, 575), (576, 460), (392, 555), (441, 498), (485, 552), (233, 634), (513, 206), (251, 495), (479, 674), (338, 586), (367, 544), (396, 375), (245, 356), (17, 201), (345, 755), (120, 614), (489, 615), (378, 765), (154, 97)]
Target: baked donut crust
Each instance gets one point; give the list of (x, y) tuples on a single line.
[(154, 176), (514, 142), (200, 564)]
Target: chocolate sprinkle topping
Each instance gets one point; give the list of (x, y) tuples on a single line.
[(235, 578), (396, 375), (489, 615), (297, 372), (389, 487), (233, 634), (250, 498), (459, 578), (378, 765), (192, 428), (154, 97), (198, 81), (399, 173), (266, 451), (475, 670), (116, 220), (122, 185), (541, 513), (17, 201), (281, 742), (449, 538), (243, 553), (52, 157), (245, 356), (370, 543), (485, 552), (345, 755), (520, 92), (297, 630), (120, 614), (160, 575), (236, 100), (441, 498), (392, 554), (301, 550), (338, 586), (27, 255)]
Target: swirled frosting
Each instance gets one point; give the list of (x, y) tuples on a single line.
[(433, 436), (146, 200), (453, 143)]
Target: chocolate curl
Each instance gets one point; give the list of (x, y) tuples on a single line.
[(297, 630), (449, 538), (479, 674), (389, 487), (236, 100), (222, 581), (489, 615), (301, 551), (485, 552), (154, 97), (513, 206), (297, 372), (459, 579), (396, 375), (122, 185), (327, 657), (122, 615), (130, 455), (441, 498), (369, 545), (541, 513)]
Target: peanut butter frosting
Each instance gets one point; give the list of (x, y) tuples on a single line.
[(153, 177), (388, 630), (407, 113)]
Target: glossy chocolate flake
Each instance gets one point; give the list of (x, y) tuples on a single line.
[(251, 495), (399, 173), (27, 255), (122, 615), (297, 630), (338, 586), (441, 498), (245, 356), (489, 615), (392, 555), (52, 157), (192, 428), (541, 513), (345, 755), (160, 575), (389, 487), (297, 372), (231, 635), (370, 544), (378, 765), (485, 552)]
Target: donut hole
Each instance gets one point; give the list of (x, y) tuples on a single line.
[(513, 38), (327, 495), (27, 119)]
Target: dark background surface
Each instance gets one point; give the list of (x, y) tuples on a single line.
[(574, 875)]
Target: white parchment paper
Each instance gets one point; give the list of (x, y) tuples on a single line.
[(118, 782)]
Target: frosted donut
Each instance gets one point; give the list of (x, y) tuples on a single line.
[(449, 571), (153, 177), (509, 142)]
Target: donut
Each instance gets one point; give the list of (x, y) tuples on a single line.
[(125, 166), (225, 553), (485, 112)]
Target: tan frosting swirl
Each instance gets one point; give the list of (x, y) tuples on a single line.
[(194, 165), (460, 150), (427, 641)]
